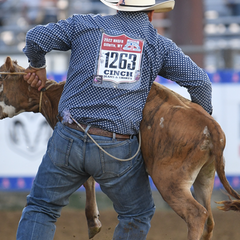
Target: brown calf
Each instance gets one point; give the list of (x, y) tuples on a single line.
[(182, 145)]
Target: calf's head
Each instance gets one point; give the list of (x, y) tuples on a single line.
[(14, 91)]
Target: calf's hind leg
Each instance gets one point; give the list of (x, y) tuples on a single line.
[(203, 187), (176, 192)]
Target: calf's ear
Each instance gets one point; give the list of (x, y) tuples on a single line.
[(9, 65)]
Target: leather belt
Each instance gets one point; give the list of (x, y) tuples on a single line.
[(97, 131)]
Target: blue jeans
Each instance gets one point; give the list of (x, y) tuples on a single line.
[(71, 158)]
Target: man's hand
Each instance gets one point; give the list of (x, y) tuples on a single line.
[(36, 77)]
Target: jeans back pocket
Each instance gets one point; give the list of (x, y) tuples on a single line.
[(112, 167), (59, 148)]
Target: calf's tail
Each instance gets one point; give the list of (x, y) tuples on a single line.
[(218, 145), (230, 204)]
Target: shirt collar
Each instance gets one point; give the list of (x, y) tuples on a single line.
[(133, 16)]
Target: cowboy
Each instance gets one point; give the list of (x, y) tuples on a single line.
[(114, 61)]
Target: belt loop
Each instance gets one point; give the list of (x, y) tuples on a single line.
[(87, 128), (114, 136), (59, 117), (85, 131)]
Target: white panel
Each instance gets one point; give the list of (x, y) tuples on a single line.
[(23, 141)]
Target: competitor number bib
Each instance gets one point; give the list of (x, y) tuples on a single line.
[(119, 61)]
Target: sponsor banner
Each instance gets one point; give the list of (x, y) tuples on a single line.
[(23, 141), (25, 183)]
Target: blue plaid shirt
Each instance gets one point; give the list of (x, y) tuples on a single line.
[(114, 107)]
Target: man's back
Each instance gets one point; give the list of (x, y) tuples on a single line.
[(114, 60)]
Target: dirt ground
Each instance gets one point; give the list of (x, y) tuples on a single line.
[(166, 225)]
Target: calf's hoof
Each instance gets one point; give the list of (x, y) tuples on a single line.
[(94, 228)]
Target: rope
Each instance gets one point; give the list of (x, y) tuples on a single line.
[(13, 73), (119, 159), (40, 102), (41, 95)]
